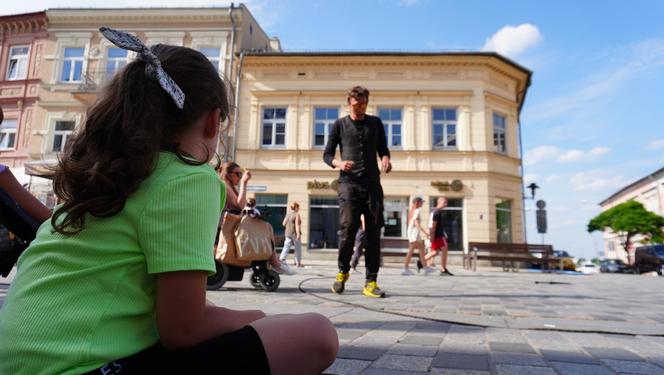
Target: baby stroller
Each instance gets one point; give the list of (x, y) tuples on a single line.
[(245, 241)]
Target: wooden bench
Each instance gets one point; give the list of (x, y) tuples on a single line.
[(510, 254)]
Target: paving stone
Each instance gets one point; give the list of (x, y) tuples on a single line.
[(384, 371), (517, 359), (580, 369), (347, 366), (634, 367), (461, 361), (463, 348), (421, 340), (454, 371), (409, 349), (403, 363), (355, 352), (571, 357), (523, 370), (613, 353), (510, 347)]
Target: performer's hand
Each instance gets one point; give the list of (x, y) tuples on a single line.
[(385, 164), (346, 165)]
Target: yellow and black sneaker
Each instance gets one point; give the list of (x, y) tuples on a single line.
[(371, 289), (340, 282)]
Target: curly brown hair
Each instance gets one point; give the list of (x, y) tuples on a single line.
[(133, 120)]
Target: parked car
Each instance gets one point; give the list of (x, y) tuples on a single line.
[(568, 260), (588, 269), (612, 266), (649, 258)]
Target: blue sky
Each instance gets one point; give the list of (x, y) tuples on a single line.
[(592, 120)]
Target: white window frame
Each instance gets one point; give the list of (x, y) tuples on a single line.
[(327, 123), (389, 125), (273, 125), (72, 67), (22, 62), (213, 59), (115, 60), (445, 124), (65, 134), (208, 39), (500, 147), (402, 205), (6, 132)]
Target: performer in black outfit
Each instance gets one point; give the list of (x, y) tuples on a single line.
[(360, 138)]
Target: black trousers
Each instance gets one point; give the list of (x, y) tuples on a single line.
[(355, 199)]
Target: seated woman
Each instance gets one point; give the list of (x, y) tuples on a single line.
[(236, 198)]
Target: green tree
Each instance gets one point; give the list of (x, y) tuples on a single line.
[(630, 219), (595, 261), (580, 261)]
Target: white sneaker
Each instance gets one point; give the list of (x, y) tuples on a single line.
[(428, 270), (283, 268), (407, 272)]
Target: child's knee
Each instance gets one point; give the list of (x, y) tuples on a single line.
[(325, 338)]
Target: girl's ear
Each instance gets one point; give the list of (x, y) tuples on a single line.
[(212, 123)]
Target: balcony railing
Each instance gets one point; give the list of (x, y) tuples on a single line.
[(92, 81)]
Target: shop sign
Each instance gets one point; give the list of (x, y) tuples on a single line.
[(315, 184), (455, 185)]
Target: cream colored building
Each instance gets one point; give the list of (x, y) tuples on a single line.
[(77, 60), (452, 126), (648, 190)]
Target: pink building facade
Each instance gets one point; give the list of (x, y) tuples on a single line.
[(21, 54)]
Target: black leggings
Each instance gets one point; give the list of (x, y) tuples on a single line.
[(238, 352)]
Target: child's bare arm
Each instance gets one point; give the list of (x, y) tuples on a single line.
[(185, 318)]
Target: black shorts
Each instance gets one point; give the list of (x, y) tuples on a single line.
[(238, 352)]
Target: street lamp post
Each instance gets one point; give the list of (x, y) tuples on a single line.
[(533, 186)]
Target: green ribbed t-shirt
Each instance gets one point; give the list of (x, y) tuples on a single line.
[(79, 302)]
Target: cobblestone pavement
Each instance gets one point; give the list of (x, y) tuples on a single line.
[(489, 322)]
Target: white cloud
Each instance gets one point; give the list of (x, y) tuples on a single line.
[(513, 40), (552, 178), (528, 178), (656, 144), (597, 180), (598, 88), (548, 153), (540, 154), (578, 155)]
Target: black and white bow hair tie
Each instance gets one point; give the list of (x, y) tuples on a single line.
[(153, 67)]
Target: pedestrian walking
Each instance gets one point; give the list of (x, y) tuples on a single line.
[(121, 267), (415, 241), (359, 246), (360, 138), (293, 234), (438, 236)]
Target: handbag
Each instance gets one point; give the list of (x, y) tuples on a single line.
[(226, 251)]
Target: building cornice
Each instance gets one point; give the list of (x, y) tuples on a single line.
[(23, 23), (62, 18), (374, 93), (489, 61)]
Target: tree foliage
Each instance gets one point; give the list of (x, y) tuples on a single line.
[(629, 219)]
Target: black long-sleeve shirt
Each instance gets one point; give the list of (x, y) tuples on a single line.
[(358, 141)]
